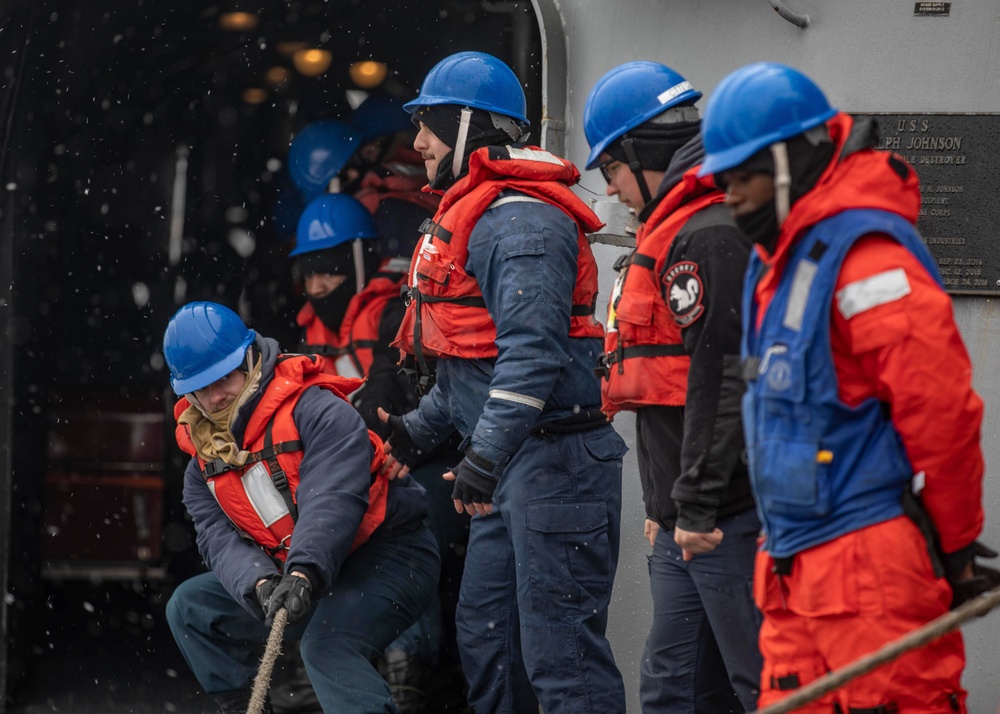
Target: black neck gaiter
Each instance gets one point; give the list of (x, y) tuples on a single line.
[(761, 226), (331, 308)]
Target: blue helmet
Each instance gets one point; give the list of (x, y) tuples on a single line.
[(330, 220), (379, 115), (473, 79), (756, 106), (319, 152), (203, 343), (627, 96)]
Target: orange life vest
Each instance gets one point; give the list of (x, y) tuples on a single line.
[(446, 314), (358, 334), (405, 183), (272, 438), (645, 363)]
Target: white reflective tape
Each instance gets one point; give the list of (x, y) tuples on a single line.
[(802, 282), (674, 91), (871, 292), (263, 496), (534, 155), (346, 368), (514, 199), (538, 404), (399, 264)]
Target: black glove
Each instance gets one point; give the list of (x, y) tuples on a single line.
[(404, 450), (982, 580), (266, 589), (471, 484), (291, 592)]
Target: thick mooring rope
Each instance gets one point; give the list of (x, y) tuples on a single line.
[(262, 681), (975, 607)]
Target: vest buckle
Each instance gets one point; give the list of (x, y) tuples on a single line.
[(216, 467)]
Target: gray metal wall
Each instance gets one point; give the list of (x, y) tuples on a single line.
[(869, 56)]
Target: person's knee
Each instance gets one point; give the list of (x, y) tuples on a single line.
[(177, 606), (331, 647)]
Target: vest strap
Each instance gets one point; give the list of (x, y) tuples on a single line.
[(786, 683), (436, 230), (278, 478), (621, 354), (217, 467), (643, 261), (890, 708)]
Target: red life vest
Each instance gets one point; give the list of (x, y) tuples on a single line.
[(275, 453), (446, 314), (358, 334), (645, 363), (405, 182)]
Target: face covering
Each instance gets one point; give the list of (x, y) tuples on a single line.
[(331, 308), (761, 226)]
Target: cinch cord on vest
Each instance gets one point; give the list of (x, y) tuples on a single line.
[(976, 607), (262, 681)]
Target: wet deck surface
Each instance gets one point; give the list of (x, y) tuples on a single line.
[(106, 650)]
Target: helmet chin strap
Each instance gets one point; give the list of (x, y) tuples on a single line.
[(463, 133), (782, 181), (359, 264), (635, 166)]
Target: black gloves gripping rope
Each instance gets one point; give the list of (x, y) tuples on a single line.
[(982, 580), (291, 592)]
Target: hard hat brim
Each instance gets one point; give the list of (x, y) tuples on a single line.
[(216, 372), (720, 161)]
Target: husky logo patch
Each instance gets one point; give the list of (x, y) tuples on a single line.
[(684, 291)]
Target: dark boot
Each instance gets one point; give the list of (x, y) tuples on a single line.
[(406, 677), (294, 693), (239, 701)]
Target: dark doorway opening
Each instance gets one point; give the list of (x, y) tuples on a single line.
[(141, 154)]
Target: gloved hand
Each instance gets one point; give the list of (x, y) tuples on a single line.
[(472, 485), (982, 580), (404, 450), (292, 592), (266, 589)]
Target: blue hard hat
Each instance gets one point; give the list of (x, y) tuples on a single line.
[(330, 220), (319, 152), (379, 115), (627, 96), (473, 79), (203, 343), (756, 106)]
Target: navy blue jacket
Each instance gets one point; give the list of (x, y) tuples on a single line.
[(334, 479)]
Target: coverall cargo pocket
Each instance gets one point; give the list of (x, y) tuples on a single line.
[(604, 445), (569, 557)]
